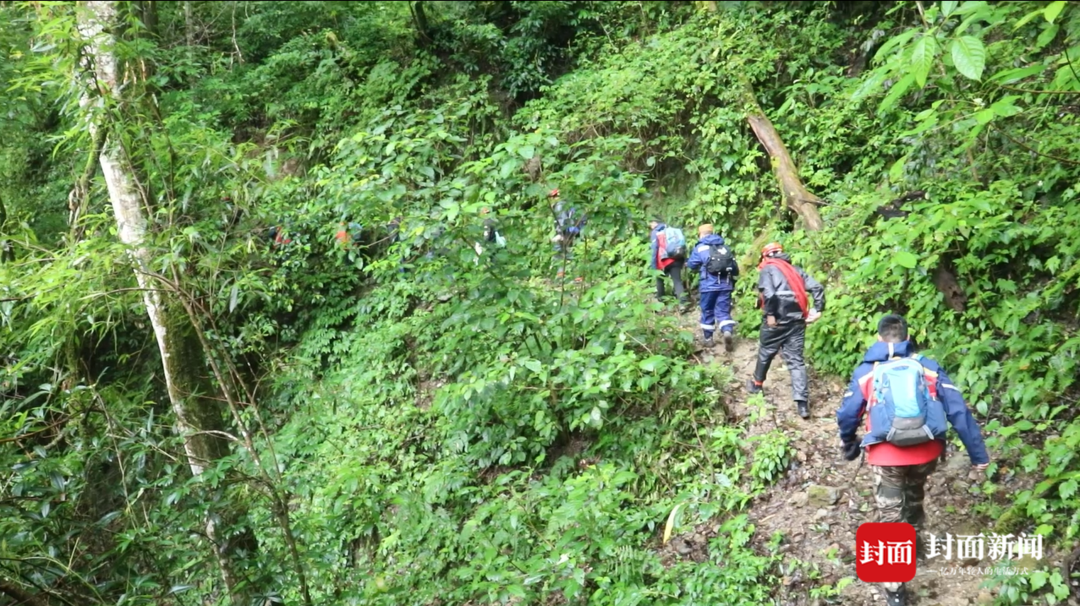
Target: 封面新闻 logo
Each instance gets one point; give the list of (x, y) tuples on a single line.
[(885, 553)]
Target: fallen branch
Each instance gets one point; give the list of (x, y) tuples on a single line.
[(21, 597), (797, 197)]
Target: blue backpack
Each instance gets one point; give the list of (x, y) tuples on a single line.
[(903, 412), (675, 244)]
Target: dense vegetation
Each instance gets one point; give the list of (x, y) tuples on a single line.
[(402, 422)]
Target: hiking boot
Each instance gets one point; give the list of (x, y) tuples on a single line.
[(752, 386), (804, 410), (895, 598), (729, 342), (709, 343)]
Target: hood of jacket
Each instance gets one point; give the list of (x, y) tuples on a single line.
[(879, 352), (712, 240)]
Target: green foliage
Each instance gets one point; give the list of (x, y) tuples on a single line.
[(451, 422)]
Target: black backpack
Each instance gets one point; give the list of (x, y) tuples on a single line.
[(721, 260)]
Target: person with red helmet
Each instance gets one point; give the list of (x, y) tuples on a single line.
[(786, 310)]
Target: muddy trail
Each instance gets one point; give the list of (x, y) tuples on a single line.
[(821, 501)]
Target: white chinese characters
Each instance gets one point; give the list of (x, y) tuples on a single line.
[(974, 547), (889, 552)]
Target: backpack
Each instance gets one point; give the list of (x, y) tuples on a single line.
[(721, 260), (675, 244), (903, 412)]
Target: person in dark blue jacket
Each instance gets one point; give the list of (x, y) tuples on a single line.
[(569, 222), (900, 472), (715, 286)]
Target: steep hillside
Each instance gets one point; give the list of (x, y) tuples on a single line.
[(254, 355)]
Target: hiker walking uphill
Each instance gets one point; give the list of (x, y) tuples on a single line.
[(568, 225), (786, 311), (492, 237), (668, 256), (716, 263), (909, 398)]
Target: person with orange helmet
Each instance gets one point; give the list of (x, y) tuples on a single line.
[(786, 310)]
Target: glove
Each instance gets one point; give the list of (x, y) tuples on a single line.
[(852, 450)]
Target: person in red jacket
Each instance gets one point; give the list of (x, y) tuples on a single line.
[(671, 266), (901, 471)]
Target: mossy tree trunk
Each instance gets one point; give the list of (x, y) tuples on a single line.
[(199, 418)]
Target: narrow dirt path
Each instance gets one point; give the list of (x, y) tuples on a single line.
[(821, 502)]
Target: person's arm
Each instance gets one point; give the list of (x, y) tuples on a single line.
[(851, 410), (816, 290), (768, 291), (695, 261), (961, 419)]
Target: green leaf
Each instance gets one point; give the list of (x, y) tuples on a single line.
[(896, 92), (1067, 489), (948, 6), (1053, 10), (896, 173), (1047, 36), (1014, 75), (1038, 579), (527, 152), (1027, 18), (982, 407), (922, 58), (595, 417), (906, 259), (1025, 425), (1004, 107), (984, 116), (969, 56)]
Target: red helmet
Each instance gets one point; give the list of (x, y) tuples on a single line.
[(554, 193), (770, 248)]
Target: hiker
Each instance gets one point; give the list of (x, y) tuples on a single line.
[(568, 225), (491, 235), (907, 396), (668, 256), (786, 311), (277, 235), (718, 270), (352, 233)]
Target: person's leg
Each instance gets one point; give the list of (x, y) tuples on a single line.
[(708, 320), (889, 487), (772, 338), (660, 286), (676, 277), (722, 312), (914, 494), (792, 352)]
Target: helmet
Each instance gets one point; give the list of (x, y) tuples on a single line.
[(770, 248), (554, 193)]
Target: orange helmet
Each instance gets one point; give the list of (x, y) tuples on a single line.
[(770, 248), (554, 193)]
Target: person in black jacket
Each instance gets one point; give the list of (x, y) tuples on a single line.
[(786, 310)]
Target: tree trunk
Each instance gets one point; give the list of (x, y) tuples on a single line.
[(199, 419), (189, 25), (797, 198)]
